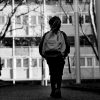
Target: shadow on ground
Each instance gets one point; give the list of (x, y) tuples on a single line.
[(89, 85)]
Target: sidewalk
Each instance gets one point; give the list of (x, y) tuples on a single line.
[(85, 85), (34, 91)]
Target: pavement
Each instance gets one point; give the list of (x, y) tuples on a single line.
[(87, 90)]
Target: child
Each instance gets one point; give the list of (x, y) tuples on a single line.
[(54, 47)]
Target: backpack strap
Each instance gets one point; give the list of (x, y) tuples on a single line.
[(41, 44), (69, 65), (67, 50)]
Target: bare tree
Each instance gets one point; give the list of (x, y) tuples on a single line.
[(7, 26)]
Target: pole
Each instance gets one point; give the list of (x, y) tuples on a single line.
[(98, 25), (44, 15), (41, 14), (13, 48), (44, 30), (77, 46)]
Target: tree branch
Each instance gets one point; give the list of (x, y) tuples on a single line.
[(1, 1), (94, 50), (4, 5), (28, 11), (15, 29)]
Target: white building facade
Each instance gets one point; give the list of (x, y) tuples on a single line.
[(31, 21)]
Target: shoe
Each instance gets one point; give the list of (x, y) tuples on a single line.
[(58, 93), (52, 93)]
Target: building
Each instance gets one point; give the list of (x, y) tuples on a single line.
[(19, 49)]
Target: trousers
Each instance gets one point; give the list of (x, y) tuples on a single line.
[(56, 66)]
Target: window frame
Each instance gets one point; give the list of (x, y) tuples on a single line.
[(84, 63), (96, 62), (84, 15), (88, 64), (31, 20), (11, 61), (52, 2), (20, 62), (86, 19), (84, 1), (18, 21), (3, 62), (35, 63), (24, 66), (24, 21), (68, 19)]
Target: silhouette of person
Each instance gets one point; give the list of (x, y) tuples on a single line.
[(55, 63)]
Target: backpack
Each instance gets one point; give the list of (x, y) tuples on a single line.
[(53, 45)]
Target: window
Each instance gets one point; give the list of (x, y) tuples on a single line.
[(97, 62), (38, 1), (80, 1), (3, 62), (87, 1), (52, 2), (72, 40), (84, 19), (7, 41), (81, 19), (84, 42), (89, 61), (70, 19), (2, 19), (69, 1), (25, 20), (27, 41), (40, 19), (29, 1), (25, 62), (34, 63), (9, 63), (17, 1), (87, 19), (18, 20), (84, 1), (18, 62), (82, 61), (33, 20), (27, 30), (22, 41), (40, 62), (73, 61), (64, 19)]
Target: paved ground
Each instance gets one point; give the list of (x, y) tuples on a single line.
[(31, 91)]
